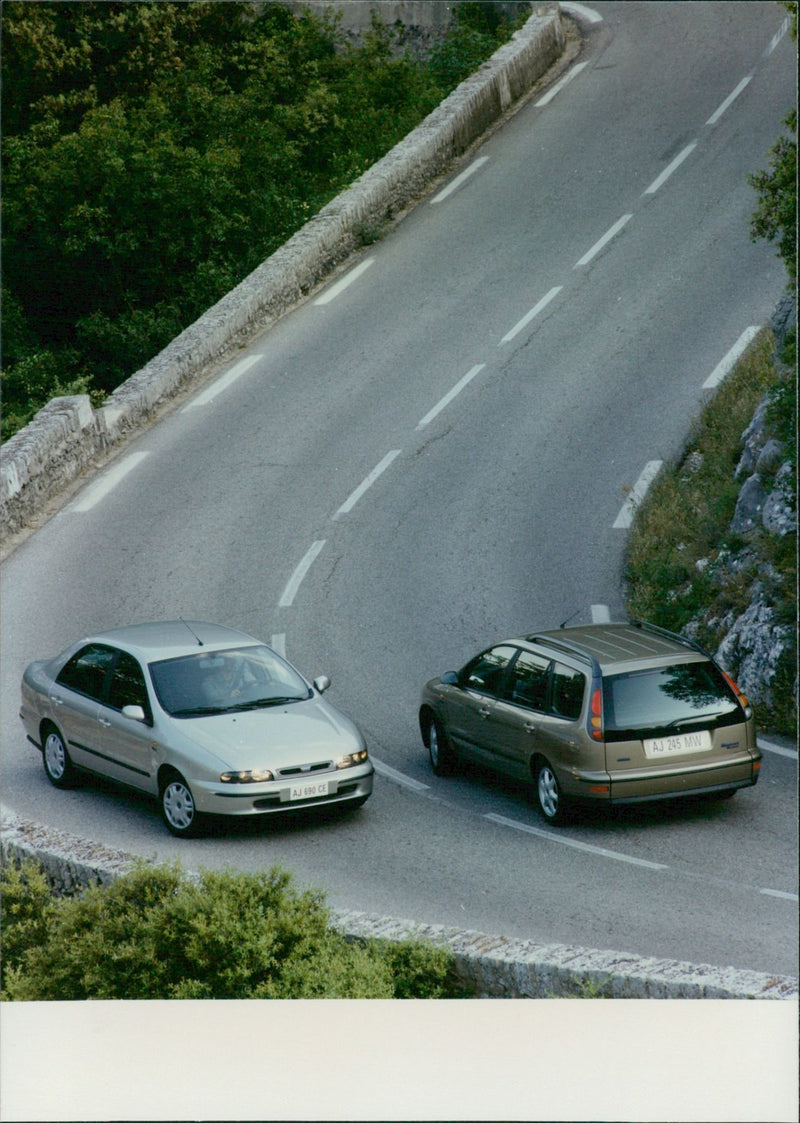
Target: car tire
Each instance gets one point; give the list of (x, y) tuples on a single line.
[(58, 766), (443, 759), (552, 803), (178, 808)]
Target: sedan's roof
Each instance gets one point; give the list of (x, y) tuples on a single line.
[(168, 639)]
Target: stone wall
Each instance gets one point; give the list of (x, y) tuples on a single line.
[(493, 966), (67, 436)]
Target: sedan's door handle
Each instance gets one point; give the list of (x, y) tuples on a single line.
[(484, 712), (104, 722), (529, 728)]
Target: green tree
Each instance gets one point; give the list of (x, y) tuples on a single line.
[(776, 215)]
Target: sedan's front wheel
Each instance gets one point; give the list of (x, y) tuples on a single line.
[(178, 808), (58, 766)]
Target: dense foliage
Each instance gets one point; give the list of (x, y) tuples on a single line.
[(159, 933), (155, 153)]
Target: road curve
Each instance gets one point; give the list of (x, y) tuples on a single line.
[(436, 451)]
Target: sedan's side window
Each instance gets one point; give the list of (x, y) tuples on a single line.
[(527, 683), (569, 686), (485, 673), (128, 685), (87, 670)]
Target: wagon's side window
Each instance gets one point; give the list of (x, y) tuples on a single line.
[(527, 684), (87, 670), (568, 690), (485, 673)]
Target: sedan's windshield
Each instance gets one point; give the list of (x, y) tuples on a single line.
[(215, 682), (667, 697)]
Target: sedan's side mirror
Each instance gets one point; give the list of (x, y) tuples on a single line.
[(135, 713), (322, 683), (450, 678)]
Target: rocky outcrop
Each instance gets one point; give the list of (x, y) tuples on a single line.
[(757, 642)]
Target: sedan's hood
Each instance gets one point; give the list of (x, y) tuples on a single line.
[(275, 737)]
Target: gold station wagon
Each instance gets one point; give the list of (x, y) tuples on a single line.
[(619, 713)]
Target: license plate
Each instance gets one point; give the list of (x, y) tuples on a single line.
[(681, 743), (310, 789)]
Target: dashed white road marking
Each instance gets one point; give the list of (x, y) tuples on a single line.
[(667, 172), (107, 482), (601, 614), (598, 246), (776, 38), (294, 582), (445, 401), (456, 183), (550, 836), (559, 86), (222, 383), (398, 777), (637, 494), (537, 308), (724, 367), (729, 100), (345, 282), (779, 893), (366, 484), (278, 644)]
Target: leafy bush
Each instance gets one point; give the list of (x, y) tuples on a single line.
[(159, 933), (155, 153)]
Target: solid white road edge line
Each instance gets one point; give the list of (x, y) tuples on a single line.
[(667, 172), (779, 750), (600, 851), (609, 234), (724, 367), (729, 100), (107, 482), (294, 582), (345, 282), (222, 383), (377, 471), (533, 312), (456, 183), (581, 11), (637, 494), (559, 86), (447, 399)]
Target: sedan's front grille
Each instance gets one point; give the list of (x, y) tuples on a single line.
[(303, 770)]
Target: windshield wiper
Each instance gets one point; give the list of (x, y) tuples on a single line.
[(263, 703), (199, 711), (698, 717)]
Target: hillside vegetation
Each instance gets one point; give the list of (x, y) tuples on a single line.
[(155, 153)]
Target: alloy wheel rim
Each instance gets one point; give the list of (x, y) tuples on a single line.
[(434, 745), (54, 755), (178, 805), (548, 792)]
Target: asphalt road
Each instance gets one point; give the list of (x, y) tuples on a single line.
[(433, 453)]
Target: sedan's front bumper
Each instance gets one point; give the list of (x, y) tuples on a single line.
[(349, 784)]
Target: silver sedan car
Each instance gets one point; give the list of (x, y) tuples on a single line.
[(206, 719)]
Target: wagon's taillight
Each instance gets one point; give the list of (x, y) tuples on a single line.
[(596, 714), (741, 697)]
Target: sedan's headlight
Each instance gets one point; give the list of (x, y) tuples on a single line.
[(256, 776), (352, 759)]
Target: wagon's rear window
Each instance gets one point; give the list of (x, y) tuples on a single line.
[(692, 694)]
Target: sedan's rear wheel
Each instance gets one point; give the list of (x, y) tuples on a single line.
[(58, 766), (552, 803), (443, 759), (178, 808)]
